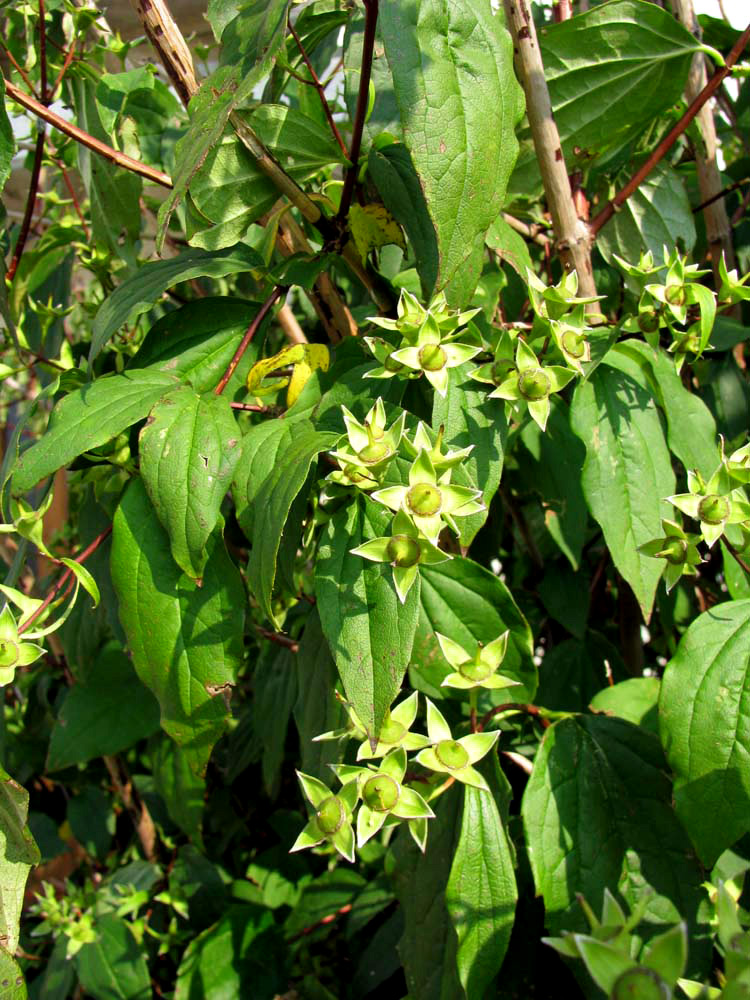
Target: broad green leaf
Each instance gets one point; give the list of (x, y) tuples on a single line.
[(188, 451), (470, 604), (384, 114), (635, 699), (138, 293), (241, 956), (260, 446), (186, 640), (627, 472), (140, 96), (610, 71), (470, 418), (573, 671), (182, 790), (18, 853), (317, 710), (301, 144), (452, 67), (323, 895), (369, 631), (113, 967), (275, 691), (273, 503), (109, 712), (565, 596), (510, 246), (219, 13), (251, 39), (12, 983), (196, 343), (481, 893), (704, 727), (736, 579), (113, 193), (392, 170), (59, 974), (429, 946), (656, 215), (551, 466), (7, 139), (691, 429), (597, 813), (88, 418)]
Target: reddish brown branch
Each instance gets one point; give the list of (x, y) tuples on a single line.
[(64, 579), (19, 69), (368, 45), (321, 92), (603, 217), (514, 706), (278, 638), (36, 170), (249, 334), (73, 132)]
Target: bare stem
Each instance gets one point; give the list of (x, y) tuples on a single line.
[(36, 170), (278, 291), (170, 45), (368, 45), (321, 92), (73, 132), (64, 579), (279, 639), (735, 555), (672, 136), (514, 706), (573, 241)]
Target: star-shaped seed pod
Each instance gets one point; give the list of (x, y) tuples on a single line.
[(433, 354), (13, 651), (383, 794), (553, 301), (411, 315), (737, 464), (332, 819), (678, 549), (369, 449), (479, 669), (441, 460), (405, 550), (430, 504), (532, 383), (455, 757), (714, 504), (394, 732), (569, 335), (387, 367)]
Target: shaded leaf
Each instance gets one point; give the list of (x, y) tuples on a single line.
[(18, 853), (113, 967)]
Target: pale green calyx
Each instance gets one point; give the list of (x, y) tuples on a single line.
[(451, 756), (369, 448), (405, 550), (477, 669), (332, 816), (678, 550), (714, 504), (531, 383)]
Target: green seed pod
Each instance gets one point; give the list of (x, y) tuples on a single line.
[(432, 358), (403, 551), (534, 384), (675, 551), (675, 295), (574, 344), (451, 754), (713, 509), (640, 984), (424, 500), (648, 321), (330, 815), (380, 793)]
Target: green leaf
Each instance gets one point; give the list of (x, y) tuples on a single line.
[(635, 699), (392, 170), (92, 820), (470, 418), (273, 504), (18, 853), (87, 418), (451, 64), (691, 429), (573, 671), (139, 95), (428, 947), (627, 472), (369, 631), (107, 713), (188, 451), (138, 293), (510, 246), (241, 956), (470, 604), (196, 343), (597, 813), (12, 984), (7, 139), (253, 37), (551, 466), (384, 114), (113, 967), (481, 893), (610, 71), (186, 640), (182, 790), (656, 215), (275, 689), (301, 145), (317, 710), (702, 719), (260, 446)]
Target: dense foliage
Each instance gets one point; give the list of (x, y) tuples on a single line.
[(376, 545)]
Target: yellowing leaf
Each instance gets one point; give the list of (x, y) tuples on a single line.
[(304, 358), (372, 227)]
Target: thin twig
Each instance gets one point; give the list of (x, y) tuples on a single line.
[(278, 291), (252, 407), (72, 131), (603, 217), (64, 579), (36, 170), (136, 807), (322, 922), (278, 638), (368, 45), (69, 56), (514, 706), (321, 92), (19, 69), (735, 555), (74, 198), (721, 194), (739, 213), (531, 231)]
